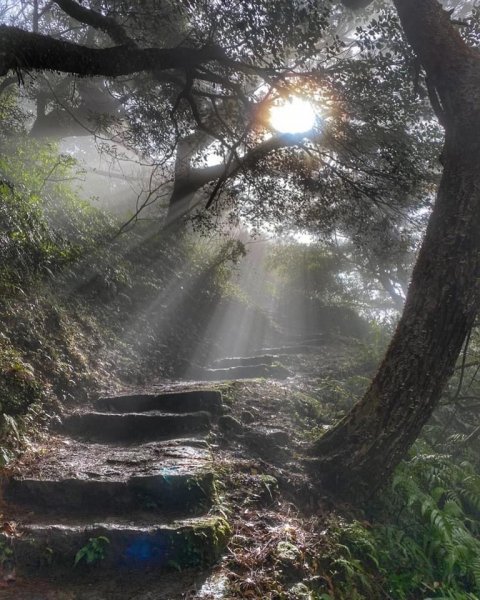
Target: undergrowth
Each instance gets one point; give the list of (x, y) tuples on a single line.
[(82, 308), (422, 540)]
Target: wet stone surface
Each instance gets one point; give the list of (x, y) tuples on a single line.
[(124, 488), (136, 497), (68, 458)]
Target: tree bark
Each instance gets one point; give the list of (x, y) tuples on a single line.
[(21, 49), (356, 456)]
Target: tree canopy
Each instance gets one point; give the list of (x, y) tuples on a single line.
[(187, 87)]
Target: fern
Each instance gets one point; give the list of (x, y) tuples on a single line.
[(426, 544)]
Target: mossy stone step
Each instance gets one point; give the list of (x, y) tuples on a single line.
[(168, 492), (169, 402), (54, 548), (135, 427)]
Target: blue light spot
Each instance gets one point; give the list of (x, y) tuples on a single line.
[(139, 550)]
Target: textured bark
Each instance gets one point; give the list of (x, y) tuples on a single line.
[(21, 49), (358, 455)]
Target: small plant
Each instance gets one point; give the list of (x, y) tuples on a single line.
[(93, 551), (6, 553)]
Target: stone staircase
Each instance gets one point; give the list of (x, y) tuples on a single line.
[(241, 367), (126, 485), (269, 362)]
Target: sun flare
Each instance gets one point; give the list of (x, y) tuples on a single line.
[(293, 116)]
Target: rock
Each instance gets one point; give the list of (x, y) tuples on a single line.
[(269, 443), (245, 361), (289, 558), (166, 402), (287, 552), (135, 427), (229, 424), (247, 417), (244, 372), (278, 437)]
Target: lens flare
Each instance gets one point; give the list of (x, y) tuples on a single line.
[(293, 116)]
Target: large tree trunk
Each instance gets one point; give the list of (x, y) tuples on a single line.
[(359, 454)]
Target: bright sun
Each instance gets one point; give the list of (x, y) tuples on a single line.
[(292, 116)]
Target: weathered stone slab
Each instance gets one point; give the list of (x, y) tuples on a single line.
[(170, 402), (245, 361), (134, 427), (295, 349), (245, 372), (168, 492), (47, 547)]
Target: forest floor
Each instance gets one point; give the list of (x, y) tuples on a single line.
[(280, 523)]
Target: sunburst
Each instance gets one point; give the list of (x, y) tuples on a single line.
[(293, 115)]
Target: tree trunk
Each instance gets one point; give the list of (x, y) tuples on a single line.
[(356, 456)]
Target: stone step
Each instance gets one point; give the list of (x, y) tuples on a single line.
[(245, 361), (170, 402), (88, 478), (295, 349), (319, 339), (241, 372), (173, 493), (52, 547), (135, 427)]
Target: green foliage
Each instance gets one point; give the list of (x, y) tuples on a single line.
[(423, 541), (6, 552), (20, 396), (309, 271), (65, 279), (18, 386), (441, 498), (44, 225), (93, 551), (350, 560)]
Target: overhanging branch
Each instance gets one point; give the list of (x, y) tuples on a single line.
[(198, 178), (20, 49)]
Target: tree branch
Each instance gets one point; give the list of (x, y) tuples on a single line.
[(21, 49), (96, 20), (184, 187)]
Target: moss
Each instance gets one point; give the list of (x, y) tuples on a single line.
[(203, 542)]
